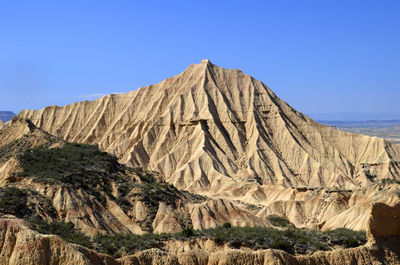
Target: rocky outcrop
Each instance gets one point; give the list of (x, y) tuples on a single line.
[(147, 205), (20, 245), (384, 224)]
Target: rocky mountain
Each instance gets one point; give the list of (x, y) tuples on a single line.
[(180, 166), (213, 131), (6, 115), (61, 181), (222, 134)]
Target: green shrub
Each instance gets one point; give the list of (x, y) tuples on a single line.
[(218, 240), (118, 245), (13, 201), (346, 237), (79, 165), (187, 232), (226, 225), (65, 230), (276, 220), (292, 240)]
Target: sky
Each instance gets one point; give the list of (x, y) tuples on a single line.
[(323, 57)]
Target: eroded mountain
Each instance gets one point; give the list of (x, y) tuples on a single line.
[(222, 134)]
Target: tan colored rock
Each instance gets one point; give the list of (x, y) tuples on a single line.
[(20, 245), (215, 213), (165, 221), (384, 224), (223, 134), (92, 215), (220, 132)]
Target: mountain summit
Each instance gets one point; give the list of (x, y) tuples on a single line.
[(217, 131)]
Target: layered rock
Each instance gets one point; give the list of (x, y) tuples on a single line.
[(214, 131), (20, 245), (95, 210), (223, 134)]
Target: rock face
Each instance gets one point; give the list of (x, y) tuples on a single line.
[(211, 131), (216, 131), (20, 245), (145, 206), (5, 116), (222, 134)]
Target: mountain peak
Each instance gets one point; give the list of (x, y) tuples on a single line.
[(209, 125), (205, 61)]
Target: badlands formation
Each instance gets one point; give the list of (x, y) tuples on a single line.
[(222, 134), (207, 147), (21, 245)]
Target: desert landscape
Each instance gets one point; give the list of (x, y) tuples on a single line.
[(206, 167), (199, 132)]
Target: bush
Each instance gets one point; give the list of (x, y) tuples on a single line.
[(348, 238), (218, 240), (21, 145), (81, 166), (13, 201), (187, 232), (226, 225), (278, 221), (118, 245), (65, 230), (292, 240)]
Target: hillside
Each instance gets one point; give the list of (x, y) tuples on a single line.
[(56, 180), (17, 240), (209, 165), (220, 132)]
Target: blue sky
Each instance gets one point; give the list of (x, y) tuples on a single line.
[(322, 56)]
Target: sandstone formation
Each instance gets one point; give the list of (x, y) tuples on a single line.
[(216, 131), (222, 134), (20, 245), (102, 212), (24, 246), (234, 152)]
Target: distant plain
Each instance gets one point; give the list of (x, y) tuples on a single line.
[(388, 129)]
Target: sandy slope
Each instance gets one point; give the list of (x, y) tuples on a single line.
[(98, 214), (223, 134), (211, 129)]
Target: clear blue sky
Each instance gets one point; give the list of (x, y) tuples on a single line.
[(322, 56)]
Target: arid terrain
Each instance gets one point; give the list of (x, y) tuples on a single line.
[(206, 167), (388, 129)]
